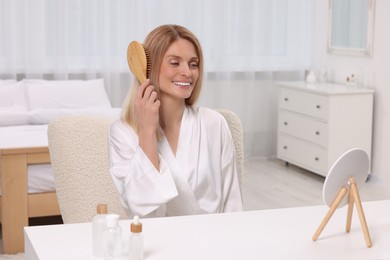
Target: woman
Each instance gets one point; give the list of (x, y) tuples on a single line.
[(169, 157)]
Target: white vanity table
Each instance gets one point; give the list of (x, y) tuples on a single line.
[(319, 122), (262, 234)]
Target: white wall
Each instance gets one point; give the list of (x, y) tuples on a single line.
[(376, 68), (253, 96)]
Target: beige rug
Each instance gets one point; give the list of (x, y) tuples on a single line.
[(19, 256)]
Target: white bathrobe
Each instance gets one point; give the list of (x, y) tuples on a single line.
[(201, 178)]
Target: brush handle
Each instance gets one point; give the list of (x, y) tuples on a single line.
[(136, 58)]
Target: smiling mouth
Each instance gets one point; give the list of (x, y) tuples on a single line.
[(182, 84)]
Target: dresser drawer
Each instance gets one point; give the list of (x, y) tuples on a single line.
[(302, 154), (304, 103), (303, 127), (319, 122)]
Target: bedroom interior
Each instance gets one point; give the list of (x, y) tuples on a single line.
[(245, 62)]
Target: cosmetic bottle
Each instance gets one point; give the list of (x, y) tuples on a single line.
[(323, 76), (98, 226), (136, 240), (112, 238), (311, 77)]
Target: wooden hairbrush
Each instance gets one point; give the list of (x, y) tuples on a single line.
[(138, 60)]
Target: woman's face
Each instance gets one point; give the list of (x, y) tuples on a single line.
[(179, 70)]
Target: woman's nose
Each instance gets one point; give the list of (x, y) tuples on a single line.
[(185, 70)]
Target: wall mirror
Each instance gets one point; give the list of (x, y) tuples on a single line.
[(351, 27)]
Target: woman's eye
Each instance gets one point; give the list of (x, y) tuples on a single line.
[(174, 63), (193, 64)]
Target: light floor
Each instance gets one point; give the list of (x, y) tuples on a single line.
[(270, 184)]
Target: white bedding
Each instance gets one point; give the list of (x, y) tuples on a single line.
[(28, 106), (20, 136), (40, 177)]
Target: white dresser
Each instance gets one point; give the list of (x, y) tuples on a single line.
[(319, 122)]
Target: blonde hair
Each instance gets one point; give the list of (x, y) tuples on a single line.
[(157, 43)]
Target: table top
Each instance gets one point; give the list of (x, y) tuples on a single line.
[(265, 234)]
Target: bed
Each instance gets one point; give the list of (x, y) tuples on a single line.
[(26, 108)]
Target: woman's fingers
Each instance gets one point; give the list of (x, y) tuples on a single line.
[(153, 96), (142, 88), (146, 92)]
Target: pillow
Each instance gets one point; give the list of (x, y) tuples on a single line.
[(8, 118), (7, 81), (46, 94), (13, 97)]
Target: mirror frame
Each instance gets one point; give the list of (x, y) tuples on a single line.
[(368, 50)]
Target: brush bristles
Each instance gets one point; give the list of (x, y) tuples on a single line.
[(148, 63)]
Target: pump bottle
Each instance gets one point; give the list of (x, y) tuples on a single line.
[(136, 240), (98, 226), (112, 238)]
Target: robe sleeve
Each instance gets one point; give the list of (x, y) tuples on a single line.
[(143, 190), (231, 193)]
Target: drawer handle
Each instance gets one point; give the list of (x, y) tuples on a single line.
[(285, 99), (318, 106), (285, 147), (285, 123), (317, 132), (317, 158)]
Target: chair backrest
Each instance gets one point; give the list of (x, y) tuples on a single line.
[(78, 148), (235, 126)]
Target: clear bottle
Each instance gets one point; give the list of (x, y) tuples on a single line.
[(98, 227), (112, 238), (311, 77), (136, 240)]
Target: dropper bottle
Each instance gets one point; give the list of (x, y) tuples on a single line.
[(98, 226), (136, 240)]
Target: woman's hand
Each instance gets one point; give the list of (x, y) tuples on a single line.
[(147, 107), (147, 114)]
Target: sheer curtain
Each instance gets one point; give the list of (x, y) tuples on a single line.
[(248, 45)]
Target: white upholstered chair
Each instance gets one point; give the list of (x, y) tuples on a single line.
[(235, 126), (78, 148)]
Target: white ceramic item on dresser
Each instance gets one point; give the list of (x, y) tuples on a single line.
[(317, 123)]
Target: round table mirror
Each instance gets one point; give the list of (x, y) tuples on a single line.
[(353, 163)]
